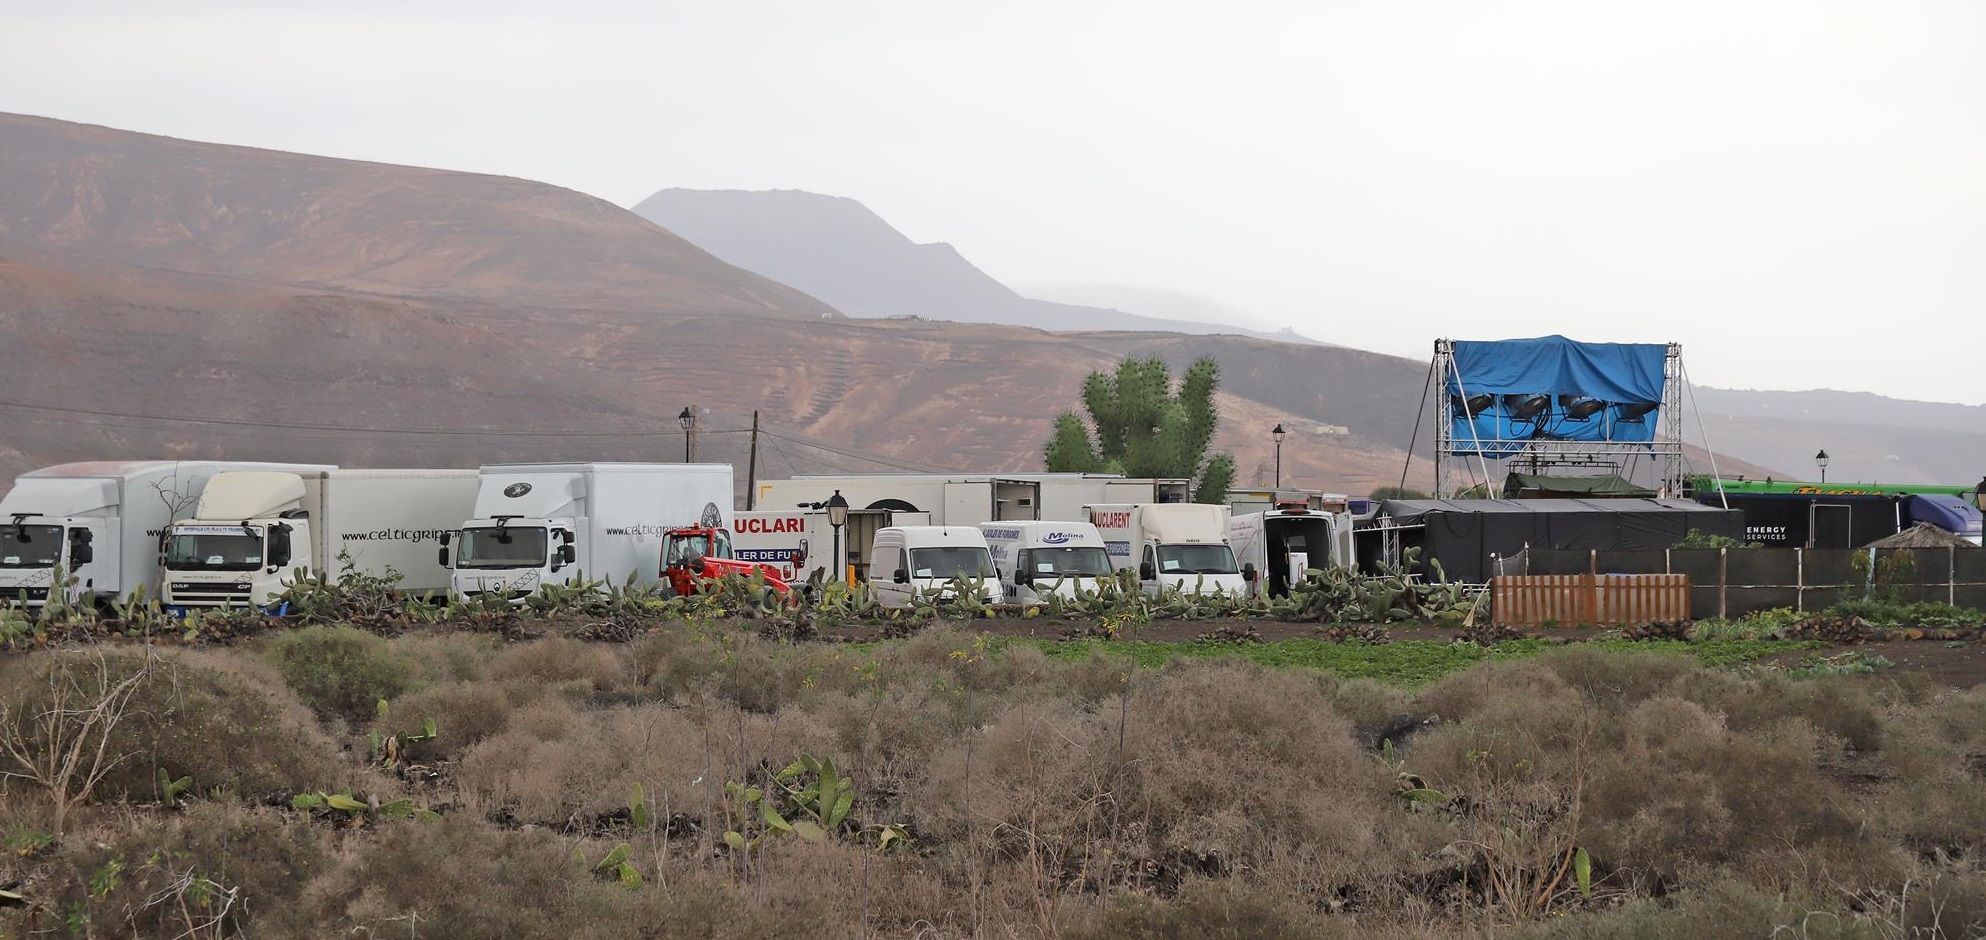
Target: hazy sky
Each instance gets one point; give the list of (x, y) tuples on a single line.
[(1794, 189)]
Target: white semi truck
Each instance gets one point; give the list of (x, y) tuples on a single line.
[(1172, 546), (1280, 545), (534, 524), (255, 528), (101, 522)]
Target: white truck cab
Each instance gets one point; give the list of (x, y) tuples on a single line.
[(254, 529), (909, 561), (536, 524), (1172, 546), (1039, 559)]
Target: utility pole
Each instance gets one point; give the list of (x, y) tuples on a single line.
[(752, 467)]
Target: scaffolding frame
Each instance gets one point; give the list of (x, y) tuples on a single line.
[(1542, 454)]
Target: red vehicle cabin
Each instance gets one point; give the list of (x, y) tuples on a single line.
[(693, 556)]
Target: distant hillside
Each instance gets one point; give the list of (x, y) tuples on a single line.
[(284, 218), (838, 250)]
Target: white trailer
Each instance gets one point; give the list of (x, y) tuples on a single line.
[(101, 521), (1180, 546), (536, 524), (802, 542), (1040, 559), (1277, 547), (254, 529), (970, 499)]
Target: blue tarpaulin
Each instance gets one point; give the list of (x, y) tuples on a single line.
[(1627, 377)]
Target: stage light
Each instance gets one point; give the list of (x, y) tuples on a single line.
[(1580, 408), (1473, 406), (1636, 412), (1526, 407)]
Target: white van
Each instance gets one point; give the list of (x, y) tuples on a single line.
[(917, 559), (1039, 559)]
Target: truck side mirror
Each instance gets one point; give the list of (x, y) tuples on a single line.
[(1248, 572), (566, 552), (901, 576), (447, 537), (441, 554), (1146, 573), (565, 535), (1023, 576), (80, 554), (84, 536)]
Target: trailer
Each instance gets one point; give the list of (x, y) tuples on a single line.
[(534, 524), (1464, 536), (969, 499), (101, 522), (1280, 545), (254, 531), (1786, 514)]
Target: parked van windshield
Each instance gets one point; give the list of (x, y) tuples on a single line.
[(507, 547), (214, 551), (30, 546), (1196, 559), (952, 561), (1066, 562)]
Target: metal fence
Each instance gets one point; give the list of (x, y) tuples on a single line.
[(1732, 582)]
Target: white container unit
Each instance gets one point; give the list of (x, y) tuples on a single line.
[(1276, 547), (254, 529), (1039, 559), (101, 521), (536, 524), (1172, 546), (910, 561)]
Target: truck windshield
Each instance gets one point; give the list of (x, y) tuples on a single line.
[(508, 547), (1067, 562), (233, 550), (682, 548), (30, 546), (1196, 559), (952, 561)]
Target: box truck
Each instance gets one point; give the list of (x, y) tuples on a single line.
[(916, 560), (1180, 546), (1276, 547), (101, 522), (536, 524), (1039, 559), (253, 529), (969, 499)]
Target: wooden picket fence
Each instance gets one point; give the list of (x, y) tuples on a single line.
[(1600, 600)]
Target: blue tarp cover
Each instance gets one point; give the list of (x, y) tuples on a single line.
[(1617, 373)]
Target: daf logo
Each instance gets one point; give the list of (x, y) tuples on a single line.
[(516, 489)]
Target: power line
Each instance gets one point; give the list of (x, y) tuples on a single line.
[(854, 454)]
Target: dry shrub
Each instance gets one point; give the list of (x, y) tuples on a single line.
[(449, 657), (219, 869), (558, 765), (461, 879), (464, 713), (562, 663), (1722, 909), (215, 716), (1843, 706), (1208, 768), (1935, 765), (1228, 909), (340, 672)]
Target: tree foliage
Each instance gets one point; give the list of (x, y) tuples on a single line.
[(1140, 425)]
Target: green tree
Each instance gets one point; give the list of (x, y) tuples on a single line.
[(1140, 426)]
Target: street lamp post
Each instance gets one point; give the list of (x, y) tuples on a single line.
[(1278, 435), (688, 420), (837, 513), (1821, 460)]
